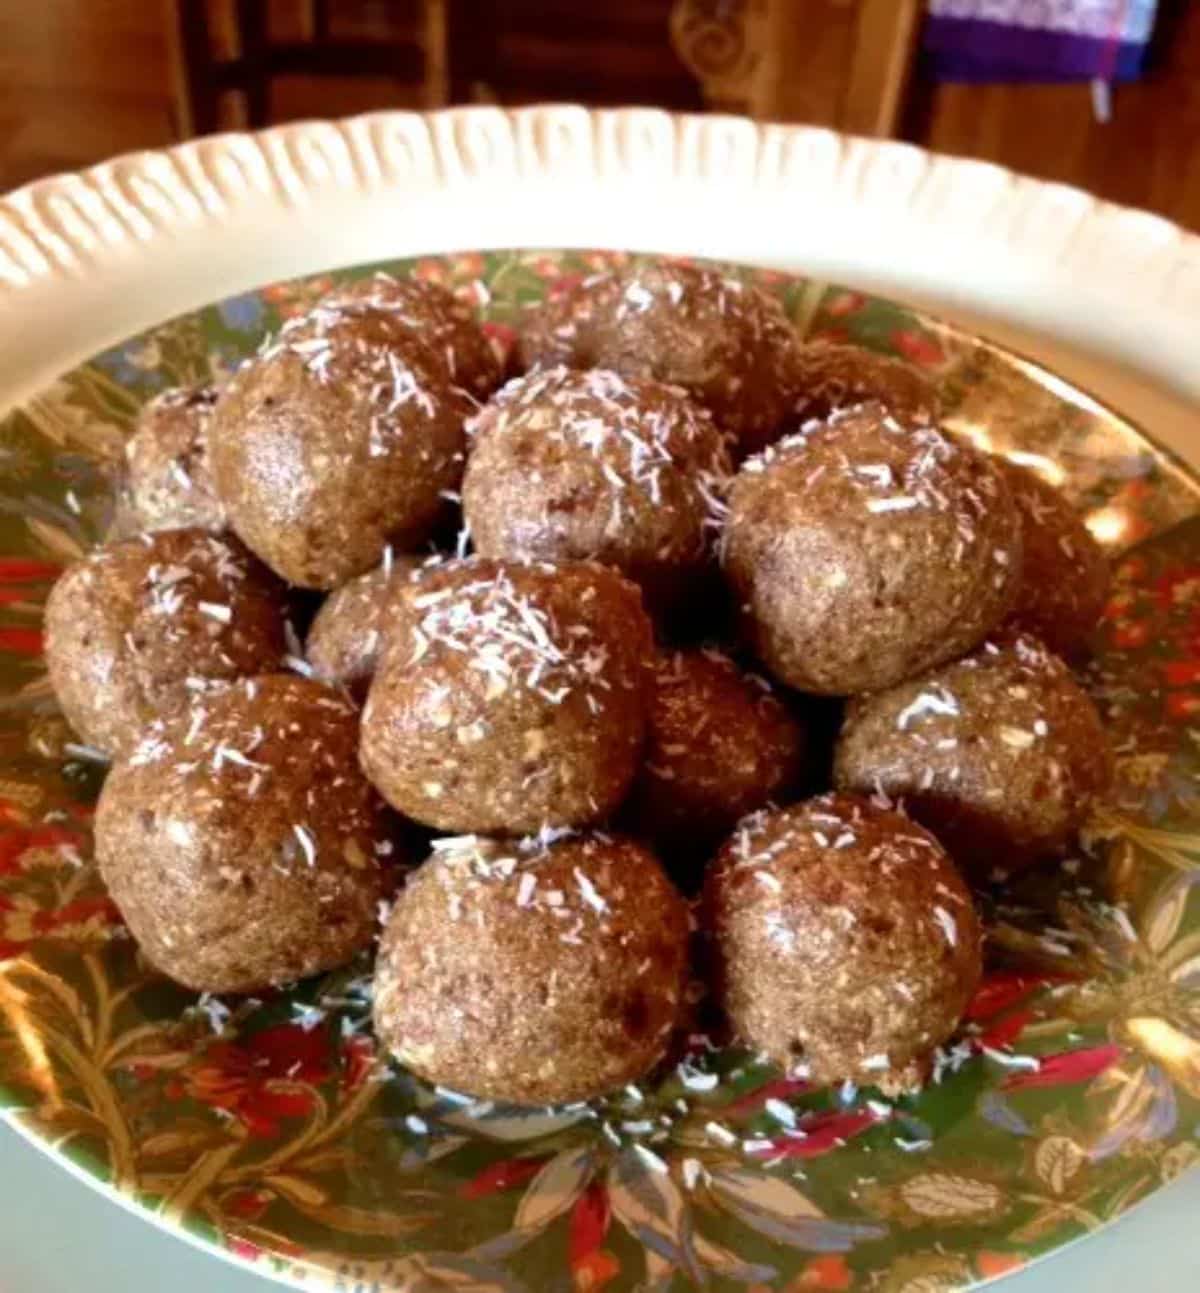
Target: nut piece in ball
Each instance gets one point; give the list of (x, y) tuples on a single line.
[(845, 940), (719, 744), (533, 974), (340, 438), (1000, 754), (137, 627), (863, 552), (169, 481), (348, 633), (438, 317), (830, 378), (727, 343), (1064, 572), (589, 465), (511, 697), (242, 843)]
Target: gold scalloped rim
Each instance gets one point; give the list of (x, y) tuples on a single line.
[(1119, 282)]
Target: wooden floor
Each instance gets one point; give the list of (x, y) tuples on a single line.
[(81, 80)]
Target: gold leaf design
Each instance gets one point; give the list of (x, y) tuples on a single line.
[(1178, 1053), (54, 539), (1057, 1161), (945, 1196), (925, 1273)]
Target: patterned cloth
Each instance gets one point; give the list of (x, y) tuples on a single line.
[(1036, 40)]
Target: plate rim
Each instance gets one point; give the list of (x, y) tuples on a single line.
[(131, 241)]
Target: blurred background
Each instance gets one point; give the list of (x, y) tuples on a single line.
[(1104, 94)]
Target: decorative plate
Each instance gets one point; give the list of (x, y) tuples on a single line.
[(270, 1130)]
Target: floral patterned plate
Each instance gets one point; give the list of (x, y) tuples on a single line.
[(268, 1128)]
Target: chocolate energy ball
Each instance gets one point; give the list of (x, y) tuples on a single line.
[(719, 744), (241, 842), (511, 697), (169, 482), (348, 633), (863, 552), (578, 465), (1000, 754), (727, 343), (845, 942), (441, 320), (342, 437), (1064, 572), (533, 974), (831, 378), (137, 627)]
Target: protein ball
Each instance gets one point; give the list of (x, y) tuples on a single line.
[(241, 842), (511, 697), (845, 942), (438, 317), (1064, 572), (348, 633), (719, 744), (1000, 754), (863, 552), (830, 378), (589, 465), (725, 342), (170, 484), (341, 438), (137, 627), (530, 973)]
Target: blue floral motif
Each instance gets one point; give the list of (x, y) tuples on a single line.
[(242, 313)]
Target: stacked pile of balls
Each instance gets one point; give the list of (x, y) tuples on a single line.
[(673, 493)]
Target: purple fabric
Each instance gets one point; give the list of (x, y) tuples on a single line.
[(966, 49)]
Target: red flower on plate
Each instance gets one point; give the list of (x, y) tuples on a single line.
[(21, 641), (467, 264), (918, 347), (20, 849), (991, 1265), (1182, 673), (999, 991), (505, 1175), (780, 1089), (592, 1266), (247, 1204), (547, 268), (563, 285), (22, 570), (1130, 635), (358, 1059), (1003, 1032), (291, 299), (430, 270), (23, 922), (262, 1080), (837, 335), (845, 303), (821, 1133), (1182, 706), (828, 1272), (1065, 1067), (502, 339)]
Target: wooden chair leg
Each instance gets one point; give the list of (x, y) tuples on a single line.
[(197, 100), (472, 37), (434, 47), (320, 10), (884, 43), (252, 30)]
